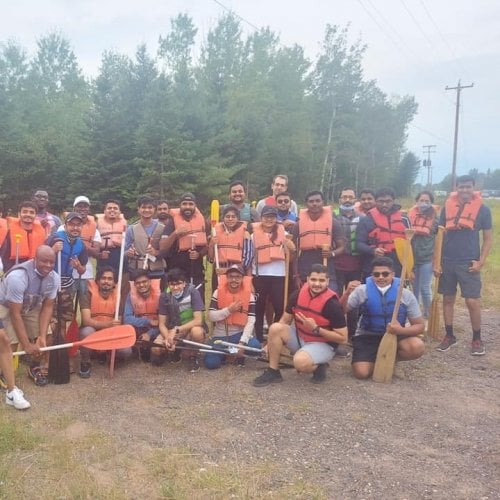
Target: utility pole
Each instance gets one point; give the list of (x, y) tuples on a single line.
[(459, 89), (427, 163)]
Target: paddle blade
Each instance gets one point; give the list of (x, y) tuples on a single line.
[(386, 358), (401, 248), (72, 335), (116, 337), (58, 360), (214, 212)]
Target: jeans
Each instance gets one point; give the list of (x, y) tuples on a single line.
[(214, 361), (422, 285), (270, 288)]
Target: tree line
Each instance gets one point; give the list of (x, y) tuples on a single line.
[(165, 123)]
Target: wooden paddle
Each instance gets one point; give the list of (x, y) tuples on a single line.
[(116, 337), (214, 219), (400, 245), (386, 354), (434, 323)]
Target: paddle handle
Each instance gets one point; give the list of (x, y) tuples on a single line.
[(48, 348), (438, 247), (120, 278), (244, 347)]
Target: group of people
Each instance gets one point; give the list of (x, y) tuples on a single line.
[(320, 278)]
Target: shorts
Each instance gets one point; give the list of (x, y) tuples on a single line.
[(320, 352), (365, 347), (453, 273), (31, 322)]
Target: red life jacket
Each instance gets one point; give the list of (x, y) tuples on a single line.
[(387, 227), (265, 250), (421, 223), (28, 241), (462, 215), (270, 200), (146, 307), (3, 230), (230, 244), (225, 298), (101, 309), (311, 307), (111, 230), (313, 235), (196, 227)]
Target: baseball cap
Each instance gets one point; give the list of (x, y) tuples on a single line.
[(237, 268), (73, 215), (188, 197), (81, 199), (269, 210)]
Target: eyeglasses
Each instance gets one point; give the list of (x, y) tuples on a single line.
[(384, 274)]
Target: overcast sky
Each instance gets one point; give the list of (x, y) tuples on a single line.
[(415, 47)]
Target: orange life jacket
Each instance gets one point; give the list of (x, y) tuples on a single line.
[(146, 307), (462, 215), (28, 241), (3, 230), (230, 244), (314, 234), (225, 298), (422, 223), (196, 227), (101, 309), (387, 227), (311, 307), (265, 250), (111, 230)]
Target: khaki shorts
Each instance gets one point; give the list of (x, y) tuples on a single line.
[(30, 320)]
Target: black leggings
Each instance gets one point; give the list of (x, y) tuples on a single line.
[(267, 288)]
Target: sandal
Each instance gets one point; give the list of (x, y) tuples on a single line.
[(37, 374)]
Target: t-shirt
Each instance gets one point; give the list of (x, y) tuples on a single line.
[(167, 300), (463, 245), (332, 310)]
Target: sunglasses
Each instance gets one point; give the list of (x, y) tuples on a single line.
[(384, 274), (283, 201)]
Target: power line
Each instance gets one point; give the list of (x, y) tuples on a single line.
[(256, 28), (432, 134), (417, 24)]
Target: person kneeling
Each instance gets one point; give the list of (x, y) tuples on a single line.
[(232, 309), (376, 301), (319, 326)]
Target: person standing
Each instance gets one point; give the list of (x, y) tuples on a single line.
[(318, 238), (23, 236), (49, 222), (279, 185), (285, 215), (237, 198), (376, 232), (465, 217), (366, 200), (423, 220)]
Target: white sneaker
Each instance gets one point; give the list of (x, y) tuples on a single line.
[(16, 399)]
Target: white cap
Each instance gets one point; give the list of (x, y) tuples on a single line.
[(81, 199)]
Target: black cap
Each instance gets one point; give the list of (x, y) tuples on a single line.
[(269, 210), (73, 215), (237, 268), (188, 197)]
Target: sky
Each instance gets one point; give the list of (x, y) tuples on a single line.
[(415, 47)]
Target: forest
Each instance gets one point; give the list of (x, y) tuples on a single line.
[(163, 122)]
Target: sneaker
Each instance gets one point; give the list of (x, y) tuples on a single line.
[(3, 382), (37, 375), (446, 343), (16, 399), (269, 376), (477, 348), (194, 364), (175, 356), (85, 369), (342, 352), (319, 375)]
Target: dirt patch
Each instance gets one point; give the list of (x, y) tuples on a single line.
[(432, 433)]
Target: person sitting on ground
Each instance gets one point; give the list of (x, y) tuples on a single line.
[(180, 317), (98, 309), (376, 300), (141, 309), (232, 310), (318, 327)]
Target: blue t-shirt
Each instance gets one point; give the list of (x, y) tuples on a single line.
[(463, 245)]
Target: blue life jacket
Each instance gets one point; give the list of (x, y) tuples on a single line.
[(70, 250), (376, 312)]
